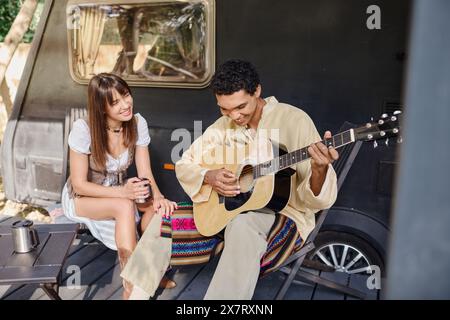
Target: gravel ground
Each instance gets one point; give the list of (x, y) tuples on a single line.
[(26, 211)]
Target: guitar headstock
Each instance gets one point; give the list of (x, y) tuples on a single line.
[(388, 126)]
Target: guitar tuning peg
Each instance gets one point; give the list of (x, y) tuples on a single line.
[(384, 116), (397, 112), (387, 142), (399, 139), (371, 119), (375, 144)]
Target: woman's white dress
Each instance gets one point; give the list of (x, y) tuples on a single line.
[(80, 141)]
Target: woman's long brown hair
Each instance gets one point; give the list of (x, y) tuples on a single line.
[(100, 95)]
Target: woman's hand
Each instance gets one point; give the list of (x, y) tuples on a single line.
[(135, 188), (163, 206)]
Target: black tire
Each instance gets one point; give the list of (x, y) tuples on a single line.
[(341, 239)]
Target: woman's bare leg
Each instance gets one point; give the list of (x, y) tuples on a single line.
[(123, 212), (147, 209)]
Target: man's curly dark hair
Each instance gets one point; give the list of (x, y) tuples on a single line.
[(233, 76)]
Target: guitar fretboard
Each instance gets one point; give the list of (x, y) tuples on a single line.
[(291, 158)]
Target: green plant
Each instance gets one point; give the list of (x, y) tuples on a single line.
[(8, 12)]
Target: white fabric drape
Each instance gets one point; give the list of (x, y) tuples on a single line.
[(87, 39)]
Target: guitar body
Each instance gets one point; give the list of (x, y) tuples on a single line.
[(272, 191)]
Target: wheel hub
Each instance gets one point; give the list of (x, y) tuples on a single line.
[(343, 258)]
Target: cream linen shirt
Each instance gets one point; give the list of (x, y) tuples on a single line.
[(294, 129)]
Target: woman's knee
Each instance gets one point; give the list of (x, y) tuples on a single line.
[(124, 208)]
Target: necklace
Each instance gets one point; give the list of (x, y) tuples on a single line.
[(114, 129)]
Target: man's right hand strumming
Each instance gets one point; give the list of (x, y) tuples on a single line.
[(223, 182)]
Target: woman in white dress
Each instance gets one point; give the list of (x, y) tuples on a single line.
[(102, 147)]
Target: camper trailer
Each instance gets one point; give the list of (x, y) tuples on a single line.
[(340, 61)]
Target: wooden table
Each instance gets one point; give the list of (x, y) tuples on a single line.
[(42, 265)]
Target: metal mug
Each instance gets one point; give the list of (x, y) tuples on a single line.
[(25, 237), (144, 200)]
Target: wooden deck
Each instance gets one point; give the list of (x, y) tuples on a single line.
[(100, 279)]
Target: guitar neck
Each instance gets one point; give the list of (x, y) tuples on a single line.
[(294, 157)]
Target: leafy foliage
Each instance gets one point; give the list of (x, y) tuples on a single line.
[(8, 12)]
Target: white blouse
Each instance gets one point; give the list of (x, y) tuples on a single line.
[(80, 141)]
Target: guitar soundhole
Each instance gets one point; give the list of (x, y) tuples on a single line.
[(246, 179)]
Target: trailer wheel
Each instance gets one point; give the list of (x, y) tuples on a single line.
[(345, 252)]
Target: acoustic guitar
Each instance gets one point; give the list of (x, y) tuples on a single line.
[(265, 174)]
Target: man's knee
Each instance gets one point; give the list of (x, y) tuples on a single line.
[(252, 223), (242, 234), (239, 225)]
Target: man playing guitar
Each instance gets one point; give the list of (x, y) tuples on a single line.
[(246, 114)]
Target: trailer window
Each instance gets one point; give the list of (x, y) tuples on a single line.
[(164, 43)]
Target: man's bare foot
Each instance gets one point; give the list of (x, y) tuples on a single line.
[(166, 283)]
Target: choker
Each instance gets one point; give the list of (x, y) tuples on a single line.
[(114, 130)]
